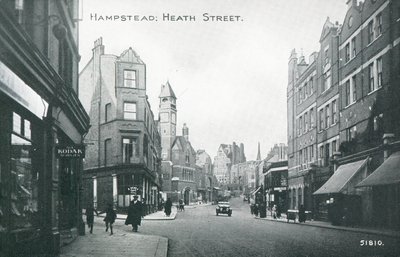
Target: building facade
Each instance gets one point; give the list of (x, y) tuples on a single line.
[(341, 119), (227, 155), (123, 144), (40, 114)]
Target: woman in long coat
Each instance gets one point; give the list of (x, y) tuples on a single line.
[(135, 213), (168, 206)]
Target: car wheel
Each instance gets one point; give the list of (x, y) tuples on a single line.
[(217, 213), (229, 214)]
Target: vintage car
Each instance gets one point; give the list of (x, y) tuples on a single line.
[(224, 207)]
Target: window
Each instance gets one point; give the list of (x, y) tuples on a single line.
[(23, 179), (379, 71), (107, 112), (351, 133), (353, 46), (334, 146), (300, 156), (334, 112), (311, 85), (126, 189), (354, 89), (312, 120), (305, 122), (370, 31), (321, 119), (321, 155), (306, 90), (371, 77), (327, 116), (301, 124), (347, 93), (378, 24), (347, 52), (130, 149), (130, 111), (326, 54), (301, 94), (327, 80), (130, 78), (107, 151)]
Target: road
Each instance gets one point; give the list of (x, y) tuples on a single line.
[(199, 232)]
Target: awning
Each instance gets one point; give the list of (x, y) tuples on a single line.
[(387, 173), (338, 181), (255, 191)]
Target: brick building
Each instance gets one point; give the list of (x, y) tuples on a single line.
[(40, 112), (227, 155), (123, 144), (350, 112)]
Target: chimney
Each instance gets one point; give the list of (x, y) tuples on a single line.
[(185, 132)]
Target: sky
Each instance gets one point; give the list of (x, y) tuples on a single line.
[(230, 77)]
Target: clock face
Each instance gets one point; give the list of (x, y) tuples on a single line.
[(350, 23)]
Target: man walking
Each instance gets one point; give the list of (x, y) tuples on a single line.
[(135, 213)]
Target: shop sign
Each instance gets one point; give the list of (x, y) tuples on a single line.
[(20, 92), (70, 151)]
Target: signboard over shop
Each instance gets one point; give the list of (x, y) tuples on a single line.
[(70, 151)]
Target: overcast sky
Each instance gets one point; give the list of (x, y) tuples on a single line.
[(230, 78)]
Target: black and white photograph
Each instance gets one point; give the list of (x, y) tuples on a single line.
[(199, 128)]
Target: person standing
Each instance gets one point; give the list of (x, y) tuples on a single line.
[(167, 207), (111, 215), (135, 213), (90, 216), (302, 214)]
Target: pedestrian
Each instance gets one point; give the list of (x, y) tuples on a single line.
[(111, 215), (135, 213), (167, 207), (252, 205), (256, 210), (90, 216), (274, 211), (302, 214), (181, 205)]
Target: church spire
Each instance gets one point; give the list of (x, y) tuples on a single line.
[(258, 154)]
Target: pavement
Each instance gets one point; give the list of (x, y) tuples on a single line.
[(323, 224), (121, 243)]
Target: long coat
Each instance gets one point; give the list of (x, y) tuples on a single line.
[(135, 213), (168, 205)]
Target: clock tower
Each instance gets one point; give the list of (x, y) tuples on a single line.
[(167, 112)]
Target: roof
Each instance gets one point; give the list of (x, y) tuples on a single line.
[(181, 140), (386, 174), (337, 183), (166, 91)]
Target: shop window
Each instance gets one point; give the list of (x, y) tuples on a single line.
[(24, 175), (126, 189)]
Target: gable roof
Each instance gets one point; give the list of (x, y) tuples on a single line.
[(326, 29), (130, 55), (166, 91), (181, 143)]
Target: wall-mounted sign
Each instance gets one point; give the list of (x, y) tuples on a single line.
[(70, 151)]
